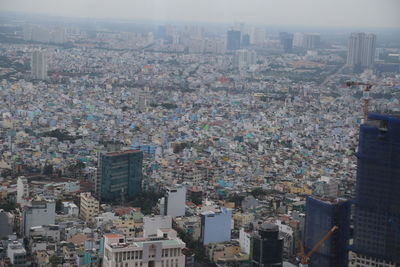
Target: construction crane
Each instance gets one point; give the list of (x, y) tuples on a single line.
[(366, 98), (304, 257)]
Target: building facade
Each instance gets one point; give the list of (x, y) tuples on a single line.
[(38, 213), (233, 40), (175, 201), (145, 252), (377, 205), (119, 175), (361, 50), (39, 65), (267, 247), (216, 226), (321, 216), (89, 207)]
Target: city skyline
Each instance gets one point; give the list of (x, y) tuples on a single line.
[(288, 12)]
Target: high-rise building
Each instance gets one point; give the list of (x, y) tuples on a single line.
[(267, 247), (146, 252), (22, 190), (174, 202), (244, 58), (216, 226), (39, 212), (89, 207), (286, 40), (321, 216), (39, 65), (377, 204), (361, 50), (119, 175), (233, 40)]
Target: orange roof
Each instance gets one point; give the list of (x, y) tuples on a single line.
[(112, 235)]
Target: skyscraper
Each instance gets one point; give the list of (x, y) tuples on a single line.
[(233, 40), (39, 65), (286, 40), (377, 204), (361, 50), (321, 216), (267, 247), (119, 175)]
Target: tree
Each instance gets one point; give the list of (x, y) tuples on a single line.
[(48, 169)]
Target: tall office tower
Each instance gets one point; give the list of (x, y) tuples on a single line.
[(286, 40), (39, 65), (267, 247), (119, 175), (377, 204), (321, 216), (233, 40), (174, 202), (361, 50)]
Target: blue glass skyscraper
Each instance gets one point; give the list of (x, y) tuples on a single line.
[(377, 202)]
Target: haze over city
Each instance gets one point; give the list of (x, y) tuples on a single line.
[(343, 13), (213, 133)]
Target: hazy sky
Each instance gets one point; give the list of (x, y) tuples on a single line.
[(359, 13)]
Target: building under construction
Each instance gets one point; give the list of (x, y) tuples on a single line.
[(321, 216), (377, 202)]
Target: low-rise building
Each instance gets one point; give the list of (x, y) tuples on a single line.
[(146, 252)]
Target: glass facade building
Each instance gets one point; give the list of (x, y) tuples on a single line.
[(377, 203), (119, 175), (321, 216)]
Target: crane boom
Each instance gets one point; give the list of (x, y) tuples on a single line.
[(304, 257)]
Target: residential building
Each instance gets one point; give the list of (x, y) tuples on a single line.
[(89, 207), (225, 252), (39, 65), (216, 226), (38, 213), (151, 224), (119, 175), (17, 254), (22, 190), (361, 50), (376, 211), (174, 203), (131, 225), (6, 223)]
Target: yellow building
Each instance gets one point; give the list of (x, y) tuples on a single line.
[(225, 252), (130, 225), (89, 207), (241, 219)]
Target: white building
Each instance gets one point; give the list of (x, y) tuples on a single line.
[(39, 65), (244, 58), (16, 253), (70, 208), (174, 202), (145, 252), (22, 190), (151, 224), (39, 212), (244, 241)]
